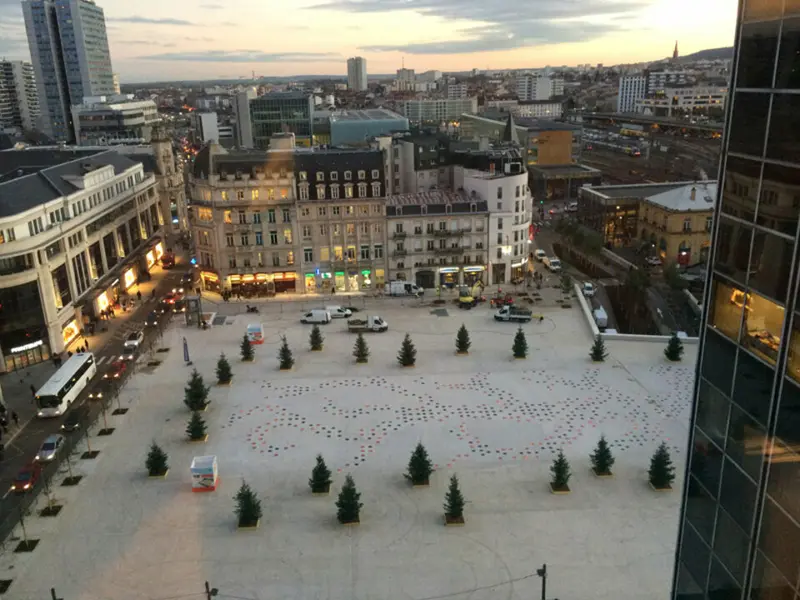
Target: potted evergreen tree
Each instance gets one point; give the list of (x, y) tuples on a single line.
[(320, 482), (661, 473), (520, 347), (361, 350), (285, 357), (407, 357), (420, 467), (315, 339), (674, 349), (196, 392), (598, 352), (561, 474), (196, 428), (462, 340), (453, 504), (248, 508), (602, 459), (348, 507), (224, 373), (156, 462), (246, 350)]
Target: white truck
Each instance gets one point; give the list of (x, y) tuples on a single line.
[(513, 313), (601, 318), (402, 288), (373, 324), (552, 264)]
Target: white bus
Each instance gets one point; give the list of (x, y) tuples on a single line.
[(55, 396)]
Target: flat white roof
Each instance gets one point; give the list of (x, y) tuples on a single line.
[(682, 199)]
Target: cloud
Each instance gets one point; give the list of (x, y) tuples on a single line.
[(198, 39), (246, 56), (212, 6), (499, 24), (149, 21)]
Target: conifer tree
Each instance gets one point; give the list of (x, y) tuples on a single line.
[(246, 349), (320, 482), (196, 392), (598, 352), (407, 356), (224, 373), (315, 339), (156, 462), (601, 458), (196, 428), (674, 349), (462, 340), (454, 502), (348, 505), (561, 473), (661, 472), (285, 355), (361, 350), (520, 347), (248, 506), (419, 466)]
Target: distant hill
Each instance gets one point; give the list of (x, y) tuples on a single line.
[(710, 54)]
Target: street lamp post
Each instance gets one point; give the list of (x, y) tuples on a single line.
[(543, 574)]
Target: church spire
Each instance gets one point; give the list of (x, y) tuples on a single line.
[(675, 52)]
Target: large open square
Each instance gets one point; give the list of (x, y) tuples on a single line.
[(495, 421)]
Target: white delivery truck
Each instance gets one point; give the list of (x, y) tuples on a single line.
[(552, 264), (601, 318), (513, 313), (402, 288)]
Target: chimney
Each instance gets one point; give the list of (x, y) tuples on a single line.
[(693, 195)]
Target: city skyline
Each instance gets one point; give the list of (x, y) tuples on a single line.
[(181, 40)]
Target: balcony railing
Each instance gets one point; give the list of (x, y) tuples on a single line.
[(448, 232), (399, 253), (448, 251), (399, 235)]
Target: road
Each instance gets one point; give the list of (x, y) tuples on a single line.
[(26, 443)]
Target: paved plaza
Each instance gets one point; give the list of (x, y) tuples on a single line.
[(495, 421)]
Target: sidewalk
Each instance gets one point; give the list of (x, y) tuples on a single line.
[(16, 385)]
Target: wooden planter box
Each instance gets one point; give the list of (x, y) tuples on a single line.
[(249, 525), (362, 362), (560, 491), (159, 475), (459, 353), (520, 357), (408, 366), (664, 489), (201, 440), (608, 475), (282, 369), (424, 484), (352, 523), (454, 521), (316, 349), (224, 382), (323, 493)]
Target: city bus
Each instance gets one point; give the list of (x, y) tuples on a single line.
[(61, 390)]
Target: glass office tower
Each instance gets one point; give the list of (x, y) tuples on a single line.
[(740, 520)]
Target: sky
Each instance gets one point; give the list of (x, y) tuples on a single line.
[(160, 40)]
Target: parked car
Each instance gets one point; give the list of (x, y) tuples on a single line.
[(552, 264), (653, 261), (316, 315), (51, 447), (187, 280), (588, 289), (540, 254), (152, 319), (179, 306), (171, 298), (75, 418), (26, 478), (339, 312)]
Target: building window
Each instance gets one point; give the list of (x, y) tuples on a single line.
[(320, 176), (287, 218), (224, 195), (259, 238), (290, 258), (349, 210), (229, 240), (306, 231), (257, 218), (337, 210), (364, 252), (242, 217), (499, 193), (517, 195), (335, 192), (348, 190), (500, 223), (284, 193), (363, 228), (376, 190), (334, 176), (323, 230), (271, 194), (232, 262), (305, 212), (337, 229), (351, 229), (362, 190), (378, 251), (709, 223), (273, 238), (320, 192), (324, 254), (245, 240), (376, 173), (303, 189), (271, 215), (398, 228), (337, 253), (287, 236), (687, 224), (378, 209), (362, 175), (276, 259), (348, 175), (240, 195), (473, 207), (499, 238), (303, 176)]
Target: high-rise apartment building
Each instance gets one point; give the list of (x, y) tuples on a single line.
[(18, 96), (259, 117), (740, 521), (70, 55), (357, 74), (631, 89), (539, 87)]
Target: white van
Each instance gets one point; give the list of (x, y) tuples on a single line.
[(316, 315), (552, 264), (540, 254), (339, 312)]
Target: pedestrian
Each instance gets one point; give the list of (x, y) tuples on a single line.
[(15, 418), (153, 294), (33, 391), (69, 354), (4, 424), (541, 318), (86, 344), (139, 295)]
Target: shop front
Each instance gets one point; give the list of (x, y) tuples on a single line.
[(339, 281), (262, 284), (284, 282), (518, 271), (425, 279), (210, 281), (449, 277), (70, 331), (25, 355), (473, 275), (310, 283)]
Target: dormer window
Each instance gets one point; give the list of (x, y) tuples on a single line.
[(348, 175), (399, 210), (362, 175), (376, 173), (424, 209), (334, 176), (473, 207), (448, 208), (303, 176), (320, 176)]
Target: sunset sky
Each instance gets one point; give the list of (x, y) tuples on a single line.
[(153, 40)]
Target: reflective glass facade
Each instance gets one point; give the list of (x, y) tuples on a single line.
[(281, 112), (740, 520)]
